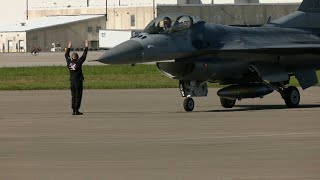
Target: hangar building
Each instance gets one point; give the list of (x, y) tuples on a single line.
[(52, 33)]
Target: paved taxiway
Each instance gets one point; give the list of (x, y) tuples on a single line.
[(145, 134), (43, 59)]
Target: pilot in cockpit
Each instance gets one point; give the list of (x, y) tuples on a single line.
[(167, 23)]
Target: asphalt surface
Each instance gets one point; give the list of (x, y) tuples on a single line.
[(43, 59), (145, 134)]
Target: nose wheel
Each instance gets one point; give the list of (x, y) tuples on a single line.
[(188, 104)]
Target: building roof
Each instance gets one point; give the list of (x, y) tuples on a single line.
[(45, 22)]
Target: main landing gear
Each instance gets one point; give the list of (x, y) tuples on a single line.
[(291, 96)]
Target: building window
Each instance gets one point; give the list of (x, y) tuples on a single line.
[(133, 20), (90, 29), (98, 29), (35, 38)]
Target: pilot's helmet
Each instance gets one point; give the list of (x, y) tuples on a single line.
[(167, 22), (74, 56)]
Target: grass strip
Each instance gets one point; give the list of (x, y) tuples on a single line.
[(96, 77)]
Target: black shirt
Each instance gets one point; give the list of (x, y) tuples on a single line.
[(75, 67)]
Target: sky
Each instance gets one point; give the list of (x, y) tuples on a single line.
[(13, 11)]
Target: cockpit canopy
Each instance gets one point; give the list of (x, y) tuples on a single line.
[(169, 23)]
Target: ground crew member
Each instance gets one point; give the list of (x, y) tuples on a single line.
[(74, 64)]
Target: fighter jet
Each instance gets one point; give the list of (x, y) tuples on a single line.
[(251, 62)]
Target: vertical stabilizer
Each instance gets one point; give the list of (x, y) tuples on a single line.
[(307, 16), (312, 6)]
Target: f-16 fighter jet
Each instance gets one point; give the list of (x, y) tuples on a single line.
[(251, 61)]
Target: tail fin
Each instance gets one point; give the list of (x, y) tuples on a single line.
[(307, 16), (312, 6)]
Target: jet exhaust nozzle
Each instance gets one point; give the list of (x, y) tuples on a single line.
[(252, 90)]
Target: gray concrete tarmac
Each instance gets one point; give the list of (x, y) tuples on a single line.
[(43, 59), (145, 134)]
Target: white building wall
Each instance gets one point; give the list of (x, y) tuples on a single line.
[(13, 42), (49, 4)]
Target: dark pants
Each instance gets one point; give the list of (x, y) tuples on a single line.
[(76, 92)]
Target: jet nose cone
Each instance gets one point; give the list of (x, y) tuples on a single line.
[(124, 53)]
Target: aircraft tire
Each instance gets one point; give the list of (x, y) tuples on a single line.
[(292, 97), (227, 103), (188, 104)]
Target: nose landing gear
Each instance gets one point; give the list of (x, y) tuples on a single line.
[(188, 104), (190, 89)]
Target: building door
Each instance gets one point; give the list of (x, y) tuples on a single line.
[(94, 44), (21, 46), (10, 46)]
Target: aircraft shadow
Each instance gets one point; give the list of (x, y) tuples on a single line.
[(239, 108)]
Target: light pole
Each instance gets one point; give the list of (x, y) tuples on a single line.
[(154, 9), (106, 10), (27, 9), (106, 13)]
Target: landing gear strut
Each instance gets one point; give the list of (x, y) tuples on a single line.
[(190, 89)]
